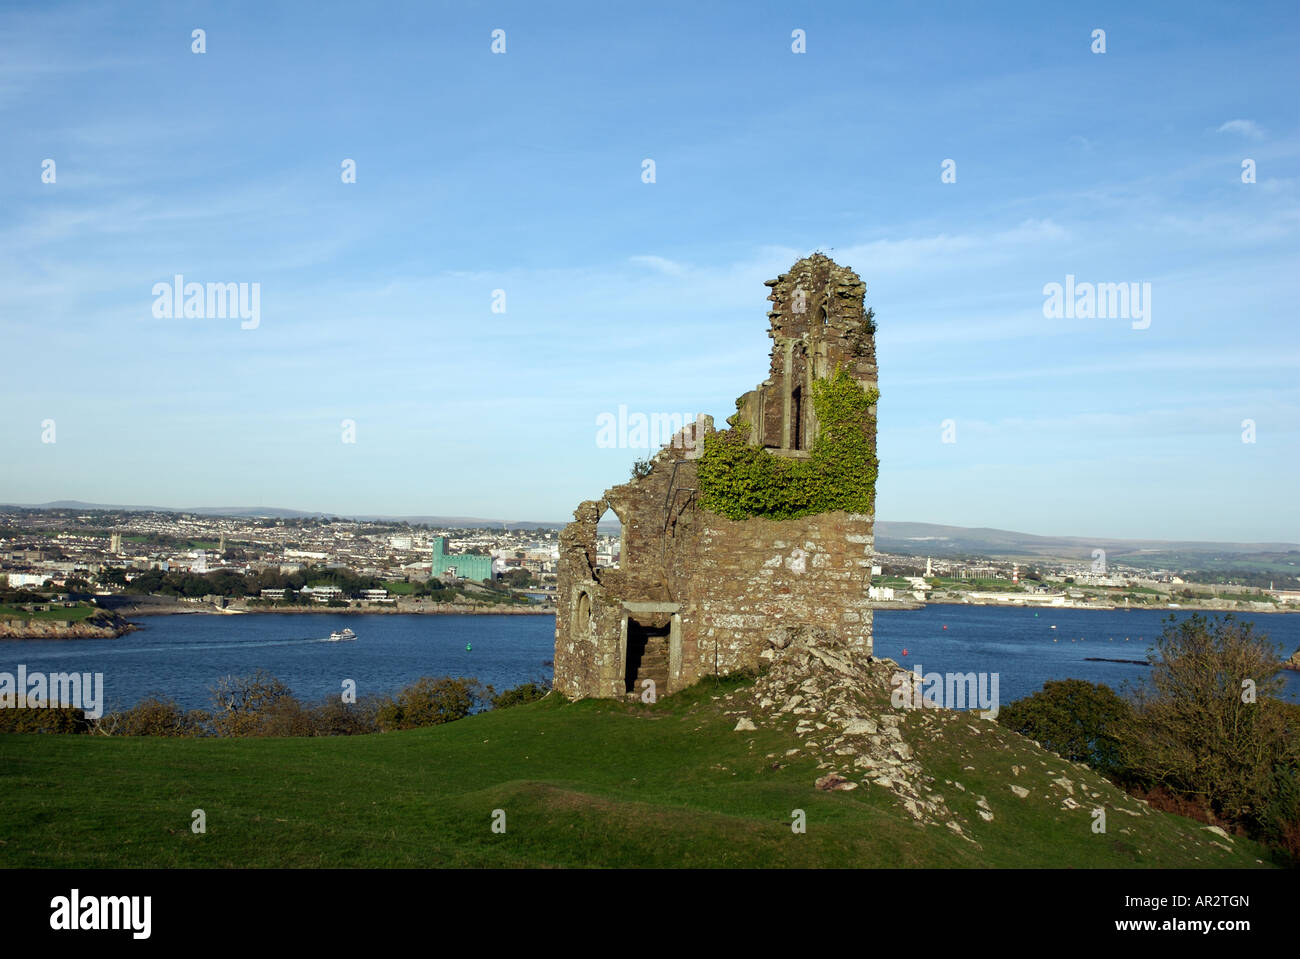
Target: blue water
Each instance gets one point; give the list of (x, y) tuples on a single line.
[(180, 657), (1022, 648)]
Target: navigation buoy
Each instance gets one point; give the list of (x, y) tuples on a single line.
[(904, 652), (468, 647), (945, 627), (1035, 615)]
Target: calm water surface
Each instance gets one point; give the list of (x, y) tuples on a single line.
[(182, 656)]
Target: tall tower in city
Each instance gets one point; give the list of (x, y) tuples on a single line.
[(115, 542), (929, 571)]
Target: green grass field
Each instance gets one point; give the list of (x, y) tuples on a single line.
[(595, 783), (72, 614)]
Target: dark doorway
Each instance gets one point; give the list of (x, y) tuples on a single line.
[(647, 653)]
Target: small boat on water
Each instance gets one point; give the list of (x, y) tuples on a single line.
[(341, 636)]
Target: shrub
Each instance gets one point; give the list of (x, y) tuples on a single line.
[(333, 717), (153, 716), (39, 720), (1279, 819), (432, 702), (284, 716), (523, 693)]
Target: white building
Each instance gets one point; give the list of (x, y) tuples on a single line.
[(322, 594), (17, 580)]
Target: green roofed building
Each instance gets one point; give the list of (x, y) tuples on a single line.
[(464, 565)]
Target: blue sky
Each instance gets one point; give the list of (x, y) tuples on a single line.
[(522, 172)]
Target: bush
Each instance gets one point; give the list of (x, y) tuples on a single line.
[(1279, 820), (333, 717), (432, 702), (523, 693), (154, 717), (240, 701), (284, 716), (1079, 720), (38, 720)]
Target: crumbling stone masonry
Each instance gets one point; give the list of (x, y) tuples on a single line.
[(697, 593)]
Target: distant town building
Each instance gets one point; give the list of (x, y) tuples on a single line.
[(322, 594), (305, 554), (17, 580), (463, 565)]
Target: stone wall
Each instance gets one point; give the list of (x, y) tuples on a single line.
[(719, 592)]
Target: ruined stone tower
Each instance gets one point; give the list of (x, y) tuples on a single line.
[(735, 538)]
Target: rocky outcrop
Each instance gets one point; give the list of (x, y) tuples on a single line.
[(1293, 662), (839, 704), (840, 707), (103, 625)]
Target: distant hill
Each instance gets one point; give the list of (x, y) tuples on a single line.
[(891, 537), (278, 512), (937, 540)]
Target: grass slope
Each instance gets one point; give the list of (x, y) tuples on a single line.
[(594, 783)]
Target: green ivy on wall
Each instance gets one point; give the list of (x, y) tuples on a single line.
[(738, 480)]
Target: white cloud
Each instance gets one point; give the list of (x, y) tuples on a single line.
[(1246, 128), (660, 263)]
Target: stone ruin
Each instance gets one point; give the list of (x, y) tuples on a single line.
[(695, 592)]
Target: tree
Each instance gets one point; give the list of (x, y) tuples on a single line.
[(239, 702), (1209, 726), (1079, 720)]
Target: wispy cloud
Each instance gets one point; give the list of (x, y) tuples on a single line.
[(659, 263), (1245, 128)]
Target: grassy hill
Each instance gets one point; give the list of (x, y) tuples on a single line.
[(594, 783)]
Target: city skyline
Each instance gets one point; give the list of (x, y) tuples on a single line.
[(523, 172)]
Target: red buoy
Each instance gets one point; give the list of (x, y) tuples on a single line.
[(945, 627), (904, 652)]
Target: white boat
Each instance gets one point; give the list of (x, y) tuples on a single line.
[(341, 636)]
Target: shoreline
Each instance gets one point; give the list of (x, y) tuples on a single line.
[(1044, 607), (55, 629), (440, 610)]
